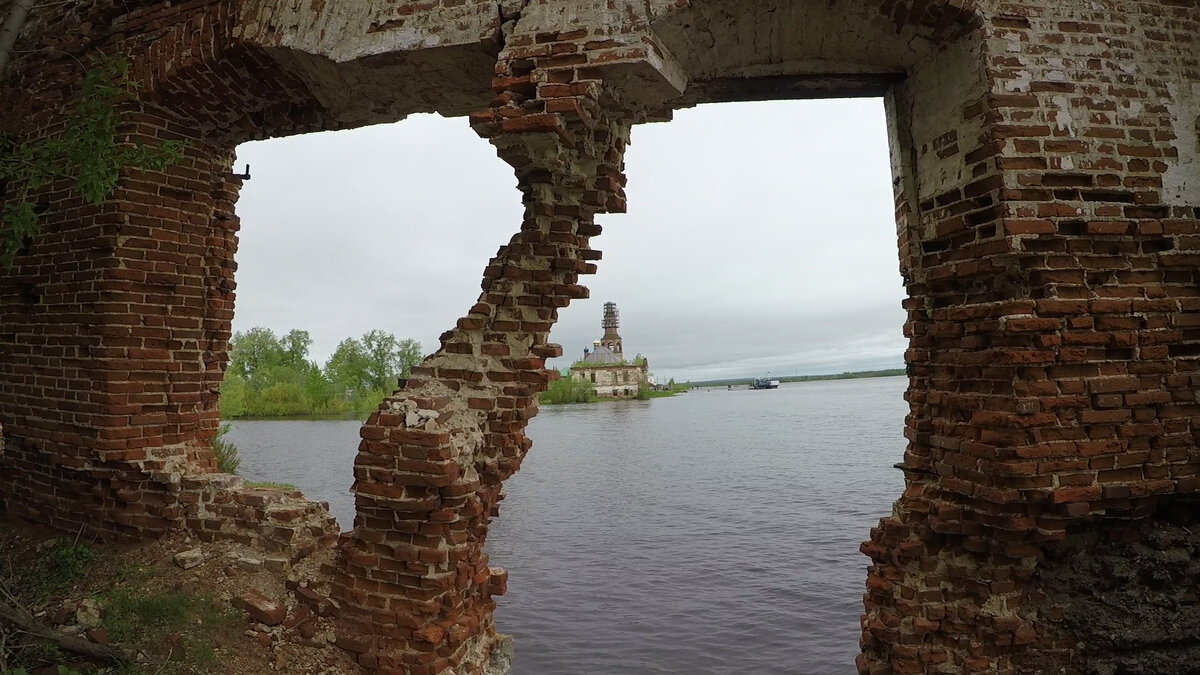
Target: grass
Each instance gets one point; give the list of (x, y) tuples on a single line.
[(174, 626), (56, 571), (271, 486), (177, 630), (644, 394)]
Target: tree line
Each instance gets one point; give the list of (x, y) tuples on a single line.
[(272, 375)]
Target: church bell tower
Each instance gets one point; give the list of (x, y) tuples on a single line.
[(610, 323)]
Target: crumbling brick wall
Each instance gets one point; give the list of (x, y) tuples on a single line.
[(1051, 275), (116, 318), (1047, 219)]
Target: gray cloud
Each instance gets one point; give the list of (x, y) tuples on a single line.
[(759, 237)]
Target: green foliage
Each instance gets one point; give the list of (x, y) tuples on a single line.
[(567, 390), (228, 459), (271, 486), (69, 561), (60, 670), (645, 391), (173, 626), (348, 365), (86, 152), (258, 352), (35, 651), (373, 363), (56, 571), (272, 376)]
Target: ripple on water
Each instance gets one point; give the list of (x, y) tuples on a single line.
[(713, 532)]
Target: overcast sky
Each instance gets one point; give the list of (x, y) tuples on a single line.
[(759, 238)]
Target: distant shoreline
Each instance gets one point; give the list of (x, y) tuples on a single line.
[(735, 382), (745, 381)]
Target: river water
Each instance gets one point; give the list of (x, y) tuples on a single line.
[(712, 532)]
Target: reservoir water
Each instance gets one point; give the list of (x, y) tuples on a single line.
[(712, 532)]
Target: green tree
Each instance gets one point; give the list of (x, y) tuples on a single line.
[(347, 367), (255, 351), (295, 349), (389, 358), (271, 375), (373, 362)]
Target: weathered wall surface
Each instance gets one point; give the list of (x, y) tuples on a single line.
[(1124, 593), (613, 380), (1052, 277), (1047, 220)]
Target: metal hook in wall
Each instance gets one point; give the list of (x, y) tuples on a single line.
[(242, 176)]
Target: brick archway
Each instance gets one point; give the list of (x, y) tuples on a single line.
[(1047, 212)]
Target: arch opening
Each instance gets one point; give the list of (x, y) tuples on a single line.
[(1047, 236), (759, 237), (343, 234)]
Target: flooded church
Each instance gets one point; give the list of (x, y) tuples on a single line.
[(605, 365)]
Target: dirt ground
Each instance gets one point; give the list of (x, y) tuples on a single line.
[(218, 636)]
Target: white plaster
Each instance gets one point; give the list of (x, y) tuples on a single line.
[(598, 15), (1181, 182), (1019, 83), (938, 90), (1131, 109), (727, 38), (1064, 117), (342, 31)]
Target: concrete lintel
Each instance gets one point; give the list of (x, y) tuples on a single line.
[(785, 87), (348, 31), (451, 80)]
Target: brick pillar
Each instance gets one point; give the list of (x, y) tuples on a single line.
[(113, 330), (413, 580), (1052, 356)]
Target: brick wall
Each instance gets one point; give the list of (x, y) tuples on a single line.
[(116, 319), (116, 322), (1051, 273), (432, 460), (1047, 217)]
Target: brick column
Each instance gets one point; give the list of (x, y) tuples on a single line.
[(115, 320), (414, 582), (1052, 354), (115, 323)]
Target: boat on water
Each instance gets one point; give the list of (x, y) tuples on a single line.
[(764, 383)]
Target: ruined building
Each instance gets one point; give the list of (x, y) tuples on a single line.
[(605, 365), (1048, 232)]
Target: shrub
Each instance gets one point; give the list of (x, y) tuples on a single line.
[(228, 460), (567, 390)]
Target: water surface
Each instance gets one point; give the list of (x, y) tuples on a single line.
[(713, 532)]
